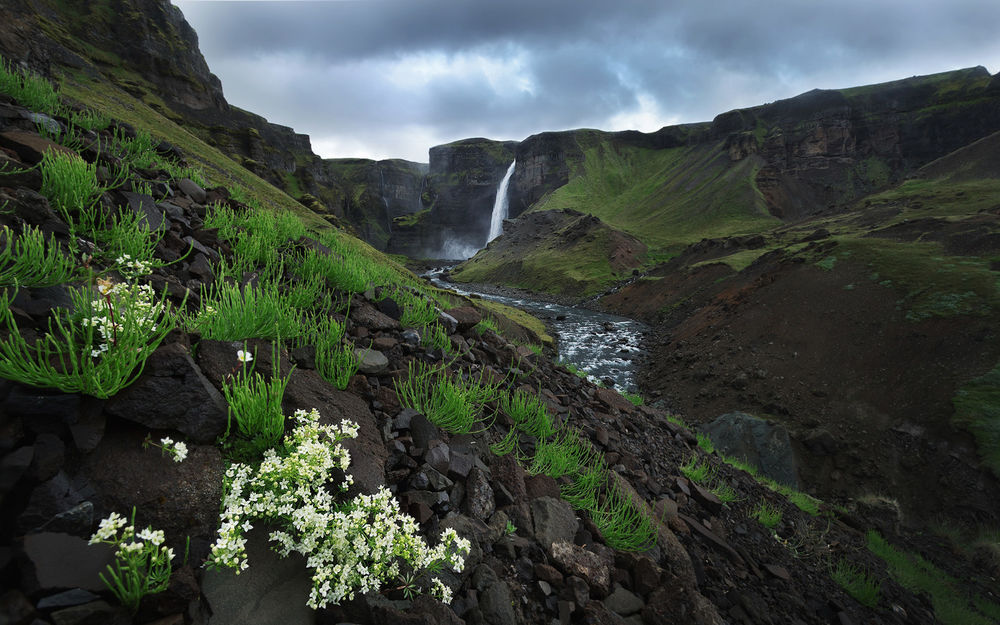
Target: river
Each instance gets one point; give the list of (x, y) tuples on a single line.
[(601, 345)]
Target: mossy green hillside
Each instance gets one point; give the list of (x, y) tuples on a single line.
[(576, 268), (666, 198)]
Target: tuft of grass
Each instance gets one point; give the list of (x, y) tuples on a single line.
[(486, 325), (635, 398), (27, 260), (977, 410), (724, 492), (767, 515), (705, 442), (30, 90), (70, 184), (858, 583), (697, 471), (566, 453)]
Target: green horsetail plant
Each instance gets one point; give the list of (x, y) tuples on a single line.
[(70, 184), (435, 337), (27, 260), (485, 325), (98, 349), (622, 523), (529, 414), (229, 313), (89, 119), (417, 311), (255, 403), (335, 361), (505, 445), (30, 90), (565, 454), (452, 405), (582, 492)]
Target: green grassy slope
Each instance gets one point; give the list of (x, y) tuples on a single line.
[(666, 198)]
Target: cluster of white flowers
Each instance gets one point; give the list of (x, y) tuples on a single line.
[(354, 547), (133, 268), (178, 450), (130, 541), (125, 308)]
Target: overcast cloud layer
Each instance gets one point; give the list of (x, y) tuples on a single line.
[(391, 78)]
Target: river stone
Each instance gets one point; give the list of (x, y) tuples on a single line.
[(271, 590), (192, 189), (758, 442), (623, 602), (370, 361)]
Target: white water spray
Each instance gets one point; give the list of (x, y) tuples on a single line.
[(500, 205)]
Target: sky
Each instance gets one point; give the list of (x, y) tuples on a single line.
[(392, 78)]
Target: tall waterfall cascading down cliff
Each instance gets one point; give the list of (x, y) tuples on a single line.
[(500, 205)]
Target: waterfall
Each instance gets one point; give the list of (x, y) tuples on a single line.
[(385, 202), (500, 205)]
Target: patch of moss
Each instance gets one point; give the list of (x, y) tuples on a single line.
[(977, 410)]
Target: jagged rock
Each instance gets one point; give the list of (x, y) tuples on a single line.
[(151, 485), (14, 466), (51, 498), (173, 394), (449, 323), (438, 457), (145, 206), (422, 431), (466, 316), (587, 565), (56, 561), (758, 442), (479, 501), (30, 146), (93, 613), (370, 361), (553, 521), (496, 604), (612, 400), (192, 189), (50, 453), (367, 316), (69, 598), (15, 607), (272, 590)]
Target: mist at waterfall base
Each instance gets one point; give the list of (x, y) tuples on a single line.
[(456, 250)]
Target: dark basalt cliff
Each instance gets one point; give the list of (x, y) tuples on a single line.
[(461, 188), (825, 148)]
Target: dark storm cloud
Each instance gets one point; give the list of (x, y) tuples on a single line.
[(348, 72)]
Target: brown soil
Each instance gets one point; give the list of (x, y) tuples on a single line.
[(865, 393)]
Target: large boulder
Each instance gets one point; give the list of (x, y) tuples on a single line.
[(758, 442)]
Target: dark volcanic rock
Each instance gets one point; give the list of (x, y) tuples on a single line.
[(172, 394), (758, 442)]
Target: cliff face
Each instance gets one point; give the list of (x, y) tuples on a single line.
[(825, 148), (461, 187), (374, 193)]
